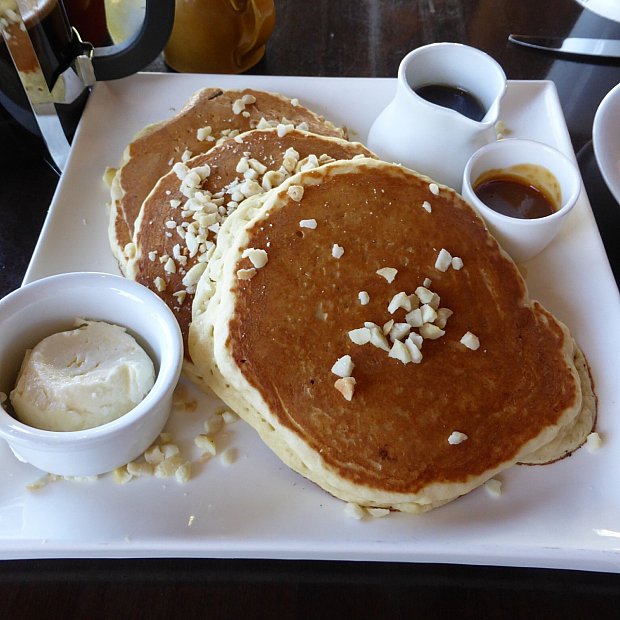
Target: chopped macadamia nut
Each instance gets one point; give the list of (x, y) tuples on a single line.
[(246, 274), (426, 205), (181, 170), (169, 450), (424, 295), (427, 283), (389, 273), (378, 339), (457, 437), (229, 417), (399, 331), (183, 473), (343, 366), (121, 475), (168, 467), (283, 129), (493, 487), (378, 513), (457, 263), (229, 456), (257, 257), (337, 251), (434, 189), (414, 350), (387, 327), (400, 351), (355, 511), (470, 341), (295, 192), (360, 336), (429, 314), (431, 332), (364, 297), (154, 455), (414, 318), (308, 223), (346, 386), (400, 300), (203, 133), (443, 314), (213, 425), (444, 260), (140, 468), (205, 444), (593, 442), (416, 339)]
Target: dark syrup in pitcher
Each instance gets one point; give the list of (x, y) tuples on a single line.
[(454, 98)]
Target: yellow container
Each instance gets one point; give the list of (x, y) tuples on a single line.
[(219, 36)]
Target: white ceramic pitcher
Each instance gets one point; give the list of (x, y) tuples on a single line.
[(429, 138)]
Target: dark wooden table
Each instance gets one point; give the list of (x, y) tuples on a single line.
[(348, 39)]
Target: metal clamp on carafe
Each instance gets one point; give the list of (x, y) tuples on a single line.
[(46, 70)]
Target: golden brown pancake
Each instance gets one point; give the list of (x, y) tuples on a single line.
[(413, 436), (209, 115), (165, 254)]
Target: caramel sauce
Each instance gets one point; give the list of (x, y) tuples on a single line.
[(523, 192)]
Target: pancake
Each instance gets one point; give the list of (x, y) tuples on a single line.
[(388, 432), (209, 115), (178, 223)]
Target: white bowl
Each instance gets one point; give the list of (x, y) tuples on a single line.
[(52, 304), (523, 238)]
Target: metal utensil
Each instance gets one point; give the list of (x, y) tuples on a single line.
[(573, 46)]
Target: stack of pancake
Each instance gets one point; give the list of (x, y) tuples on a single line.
[(358, 315)]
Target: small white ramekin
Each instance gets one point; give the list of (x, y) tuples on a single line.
[(52, 304), (523, 239)]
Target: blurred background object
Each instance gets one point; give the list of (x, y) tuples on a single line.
[(219, 36)]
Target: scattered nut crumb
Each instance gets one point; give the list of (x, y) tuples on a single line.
[(364, 297), (378, 513), (471, 341), (360, 336), (593, 442), (493, 487), (229, 456), (444, 260), (457, 437), (140, 468), (311, 223), (337, 251), (257, 257), (121, 475), (183, 472), (296, 192), (246, 274), (355, 511), (346, 386), (434, 189), (343, 366), (389, 273)]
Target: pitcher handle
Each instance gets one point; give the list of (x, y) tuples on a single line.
[(130, 56), (258, 23)]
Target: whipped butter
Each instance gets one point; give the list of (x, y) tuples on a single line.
[(82, 378)]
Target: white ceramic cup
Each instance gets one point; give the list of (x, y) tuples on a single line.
[(523, 239), (434, 140), (52, 304)]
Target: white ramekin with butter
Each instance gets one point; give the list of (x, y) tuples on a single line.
[(94, 382)]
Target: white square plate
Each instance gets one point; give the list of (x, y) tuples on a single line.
[(562, 515)]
